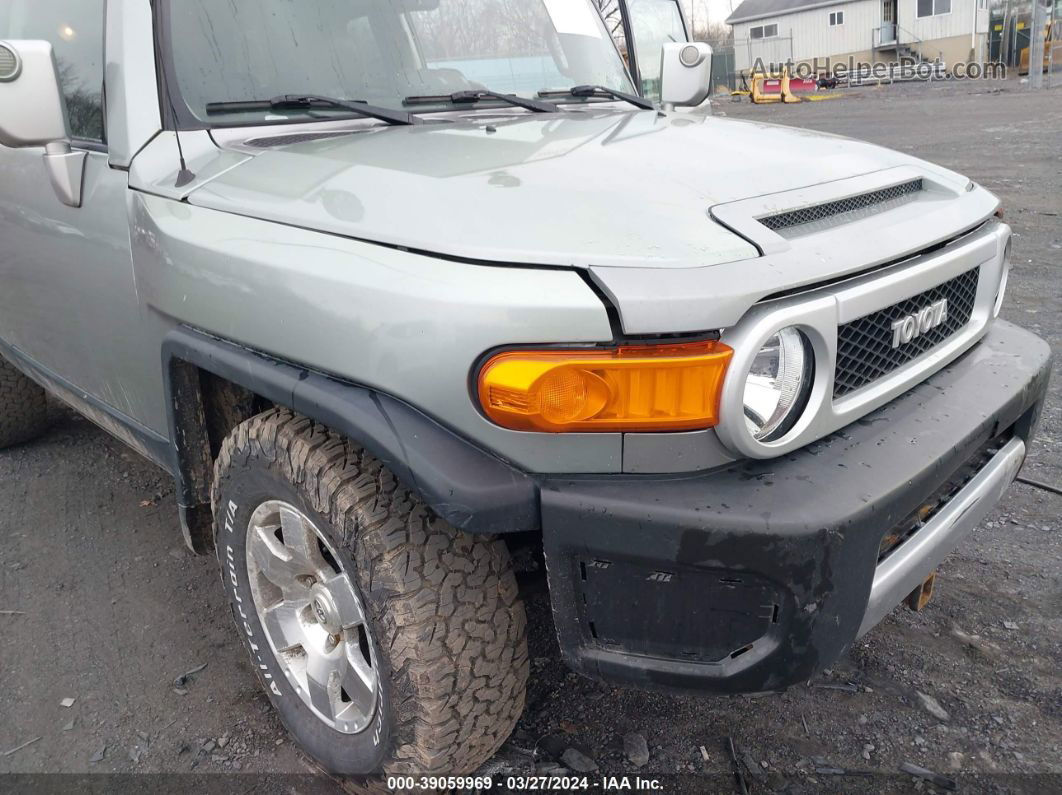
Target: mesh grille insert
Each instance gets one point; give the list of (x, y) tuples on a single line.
[(819, 212), (295, 138), (864, 346), (8, 64)]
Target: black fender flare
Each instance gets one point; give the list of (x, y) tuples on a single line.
[(467, 486)]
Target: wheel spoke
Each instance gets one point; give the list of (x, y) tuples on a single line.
[(301, 539), (281, 623), (359, 683), (276, 562), (342, 593), (324, 672)]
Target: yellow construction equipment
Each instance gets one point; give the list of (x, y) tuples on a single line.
[(774, 87), (1052, 42)]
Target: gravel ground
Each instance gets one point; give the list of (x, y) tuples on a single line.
[(100, 603)]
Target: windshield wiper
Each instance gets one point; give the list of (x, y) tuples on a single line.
[(311, 102), (476, 95), (586, 92)]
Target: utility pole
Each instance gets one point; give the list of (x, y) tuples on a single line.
[(1036, 45)]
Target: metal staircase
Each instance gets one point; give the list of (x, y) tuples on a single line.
[(891, 37), (905, 51)]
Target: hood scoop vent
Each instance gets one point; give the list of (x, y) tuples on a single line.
[(794, 223), (273, 141)]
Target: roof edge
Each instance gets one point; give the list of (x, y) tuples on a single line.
[(732, 19)]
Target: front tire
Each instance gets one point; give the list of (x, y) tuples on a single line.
[(440, 636), (23, 407)]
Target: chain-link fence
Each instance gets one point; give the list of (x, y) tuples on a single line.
[(762, 53), (733, 62), (1012, 39), (1053, 47)]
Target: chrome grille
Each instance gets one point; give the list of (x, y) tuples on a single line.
[(864, 346), (820, 212)]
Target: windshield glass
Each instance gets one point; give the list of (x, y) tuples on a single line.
[(379, 51)]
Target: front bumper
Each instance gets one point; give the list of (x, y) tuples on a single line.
[(756, 577)]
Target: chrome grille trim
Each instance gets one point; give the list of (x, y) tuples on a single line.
[(820, 212), (864, 346), (821, 313)]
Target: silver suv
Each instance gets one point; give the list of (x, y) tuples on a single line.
[(397, 288)]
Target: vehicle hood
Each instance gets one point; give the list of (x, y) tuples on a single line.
[(590, 188)]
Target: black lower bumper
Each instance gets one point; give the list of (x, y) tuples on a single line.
[(756, 577)]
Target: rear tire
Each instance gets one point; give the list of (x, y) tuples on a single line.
[(440, 608), (23, 407)]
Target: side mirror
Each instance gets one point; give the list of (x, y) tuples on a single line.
[(33, 113), (685, 74)]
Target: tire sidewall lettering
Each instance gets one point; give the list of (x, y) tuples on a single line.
[(234, 583)]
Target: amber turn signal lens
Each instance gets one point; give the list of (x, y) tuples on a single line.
[(631, 388)]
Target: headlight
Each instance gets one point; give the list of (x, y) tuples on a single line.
[(777, 387)]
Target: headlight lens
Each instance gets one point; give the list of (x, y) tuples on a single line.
[(777, 387)]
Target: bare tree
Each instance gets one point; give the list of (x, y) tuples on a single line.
[(612, 15), (483, 28), (84, 108), (718, 34), (610, 12)]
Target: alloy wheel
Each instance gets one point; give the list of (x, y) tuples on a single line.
[(312, 617)]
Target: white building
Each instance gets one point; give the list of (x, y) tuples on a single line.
[(776, 31)]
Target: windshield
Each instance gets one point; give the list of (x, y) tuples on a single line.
[(377, 51)]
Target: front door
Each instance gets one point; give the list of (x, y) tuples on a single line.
[(68, 302), (888, 21), (652, 24)]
